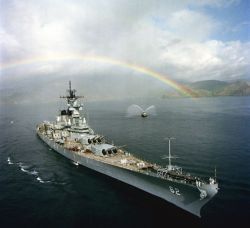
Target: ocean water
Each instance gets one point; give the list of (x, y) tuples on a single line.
[(39, 187)]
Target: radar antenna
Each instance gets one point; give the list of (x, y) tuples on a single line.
[(71, 96)]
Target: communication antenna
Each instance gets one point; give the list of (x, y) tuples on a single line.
[(71, 96), (169, 152)]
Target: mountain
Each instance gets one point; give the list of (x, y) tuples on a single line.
[(221, 88), (239, 88), (210, 88)]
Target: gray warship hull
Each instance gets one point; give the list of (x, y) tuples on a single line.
[(183, 195)]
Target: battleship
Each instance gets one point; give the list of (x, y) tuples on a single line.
[(71, 136)]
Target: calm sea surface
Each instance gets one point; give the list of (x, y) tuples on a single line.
[(39, 187)]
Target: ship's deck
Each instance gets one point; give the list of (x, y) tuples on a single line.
[(124, 160), (120, 159)]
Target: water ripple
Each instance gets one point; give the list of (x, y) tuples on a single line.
[(32, 171)]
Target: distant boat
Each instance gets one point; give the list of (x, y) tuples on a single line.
[(136, 110)]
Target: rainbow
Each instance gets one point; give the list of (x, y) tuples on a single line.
[(141, 69)]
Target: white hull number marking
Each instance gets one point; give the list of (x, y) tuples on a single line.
[(174, 191)]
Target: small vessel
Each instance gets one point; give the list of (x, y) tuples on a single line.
[(71, 136), (136, 110), (75, 163)]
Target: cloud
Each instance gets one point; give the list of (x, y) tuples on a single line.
[(209, 60), (9, 46), (168, 37), (218, 3), (192, 25)]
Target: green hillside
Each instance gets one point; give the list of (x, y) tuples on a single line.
[(221, 88), (209, 88)]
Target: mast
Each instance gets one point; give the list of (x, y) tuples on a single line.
[(71, 96), (71, 92), (69, 85), (169, 152)]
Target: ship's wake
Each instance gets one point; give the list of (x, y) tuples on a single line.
[(42, 181), (32, 171), (29, 170), (9, 161)]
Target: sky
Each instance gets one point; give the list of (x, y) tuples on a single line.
[(186, 40)]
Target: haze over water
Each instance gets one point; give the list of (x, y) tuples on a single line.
[(39, 187)]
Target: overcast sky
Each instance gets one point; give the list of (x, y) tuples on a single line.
[(187, 40)]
